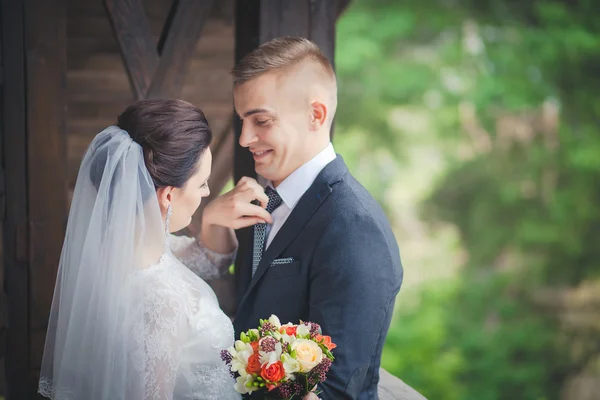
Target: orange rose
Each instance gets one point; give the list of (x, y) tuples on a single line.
[(326, 340), (253, 364), (254, 346), (274, 373), (290, 330)]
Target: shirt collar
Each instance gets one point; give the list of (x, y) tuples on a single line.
[(294, 186)]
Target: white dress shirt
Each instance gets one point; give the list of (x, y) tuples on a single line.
[(294, 186)]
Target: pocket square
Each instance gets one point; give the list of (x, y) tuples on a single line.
[(282, 261)]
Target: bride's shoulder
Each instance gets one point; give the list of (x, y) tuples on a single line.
[(170, 276), (159, 278)]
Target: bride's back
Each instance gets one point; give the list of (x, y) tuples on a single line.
[(126, 313)]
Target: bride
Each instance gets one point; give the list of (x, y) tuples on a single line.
[(132, 317)]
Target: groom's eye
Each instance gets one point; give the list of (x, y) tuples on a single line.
[(262, 122)]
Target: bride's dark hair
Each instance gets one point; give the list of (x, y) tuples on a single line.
[(173, 135)]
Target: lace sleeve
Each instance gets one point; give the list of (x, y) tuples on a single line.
[(204, 262), (165, 332)]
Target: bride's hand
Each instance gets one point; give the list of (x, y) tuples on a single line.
[(234, 210)]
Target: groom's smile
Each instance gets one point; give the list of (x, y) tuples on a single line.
[(260, 155)]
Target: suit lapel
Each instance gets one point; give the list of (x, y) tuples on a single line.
[(301, 214), (309, 203)]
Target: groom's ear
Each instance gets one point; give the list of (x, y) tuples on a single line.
[(318, 115)]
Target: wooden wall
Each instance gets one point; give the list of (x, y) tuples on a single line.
[(65, 81), (98, 88)]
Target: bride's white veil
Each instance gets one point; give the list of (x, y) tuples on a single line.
[(94, 349)]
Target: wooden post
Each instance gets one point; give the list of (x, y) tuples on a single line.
[(15, 224), (33, 130), (3, 300)]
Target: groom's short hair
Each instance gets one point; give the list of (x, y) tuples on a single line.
[(280, 54)]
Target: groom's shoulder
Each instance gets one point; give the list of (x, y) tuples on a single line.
[(351, 199), (354, 223), (349, 205), (351, 214)]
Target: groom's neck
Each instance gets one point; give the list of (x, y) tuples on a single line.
[(316, 150)]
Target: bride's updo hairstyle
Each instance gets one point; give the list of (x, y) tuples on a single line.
[(173, 135)]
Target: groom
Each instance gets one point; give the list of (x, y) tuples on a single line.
[(330, 256)]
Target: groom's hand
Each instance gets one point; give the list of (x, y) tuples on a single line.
[(235, 210)]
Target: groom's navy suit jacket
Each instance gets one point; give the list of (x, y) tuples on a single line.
[(345, 276)]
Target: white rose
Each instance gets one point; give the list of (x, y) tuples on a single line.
[(276, 335), (240, 384), (308, 354), (241, 346), (240, 356), (302, 330), (287, 338), (271, 357), (274, 320), (232, 351), (290, 365)]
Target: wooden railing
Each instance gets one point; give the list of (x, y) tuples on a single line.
[(393, 388)]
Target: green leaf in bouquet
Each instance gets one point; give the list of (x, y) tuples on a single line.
[(254, 335), (328, 354), (244, 338)]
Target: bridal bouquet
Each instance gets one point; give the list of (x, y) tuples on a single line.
[(284, 361)]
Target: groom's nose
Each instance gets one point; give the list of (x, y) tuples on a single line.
[(247, 136)]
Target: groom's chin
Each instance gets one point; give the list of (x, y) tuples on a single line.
[(262, 167)]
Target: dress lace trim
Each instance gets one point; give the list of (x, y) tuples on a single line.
[(205, 263)]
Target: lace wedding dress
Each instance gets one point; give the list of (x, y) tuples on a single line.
[(184, 328)]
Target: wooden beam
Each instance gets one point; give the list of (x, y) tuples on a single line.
[(15, 226), (284, 18), (33, 151), (3, 298), (341, 5), (164, 33), (46, 63), (323, 16), (157, 71), (247, 38), (132, 31), (185, 30)]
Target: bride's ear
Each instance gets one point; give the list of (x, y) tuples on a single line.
[(165, 196)]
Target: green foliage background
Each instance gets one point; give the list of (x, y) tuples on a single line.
[(476, 122)]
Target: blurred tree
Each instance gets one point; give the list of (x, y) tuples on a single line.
[(509, 88)]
